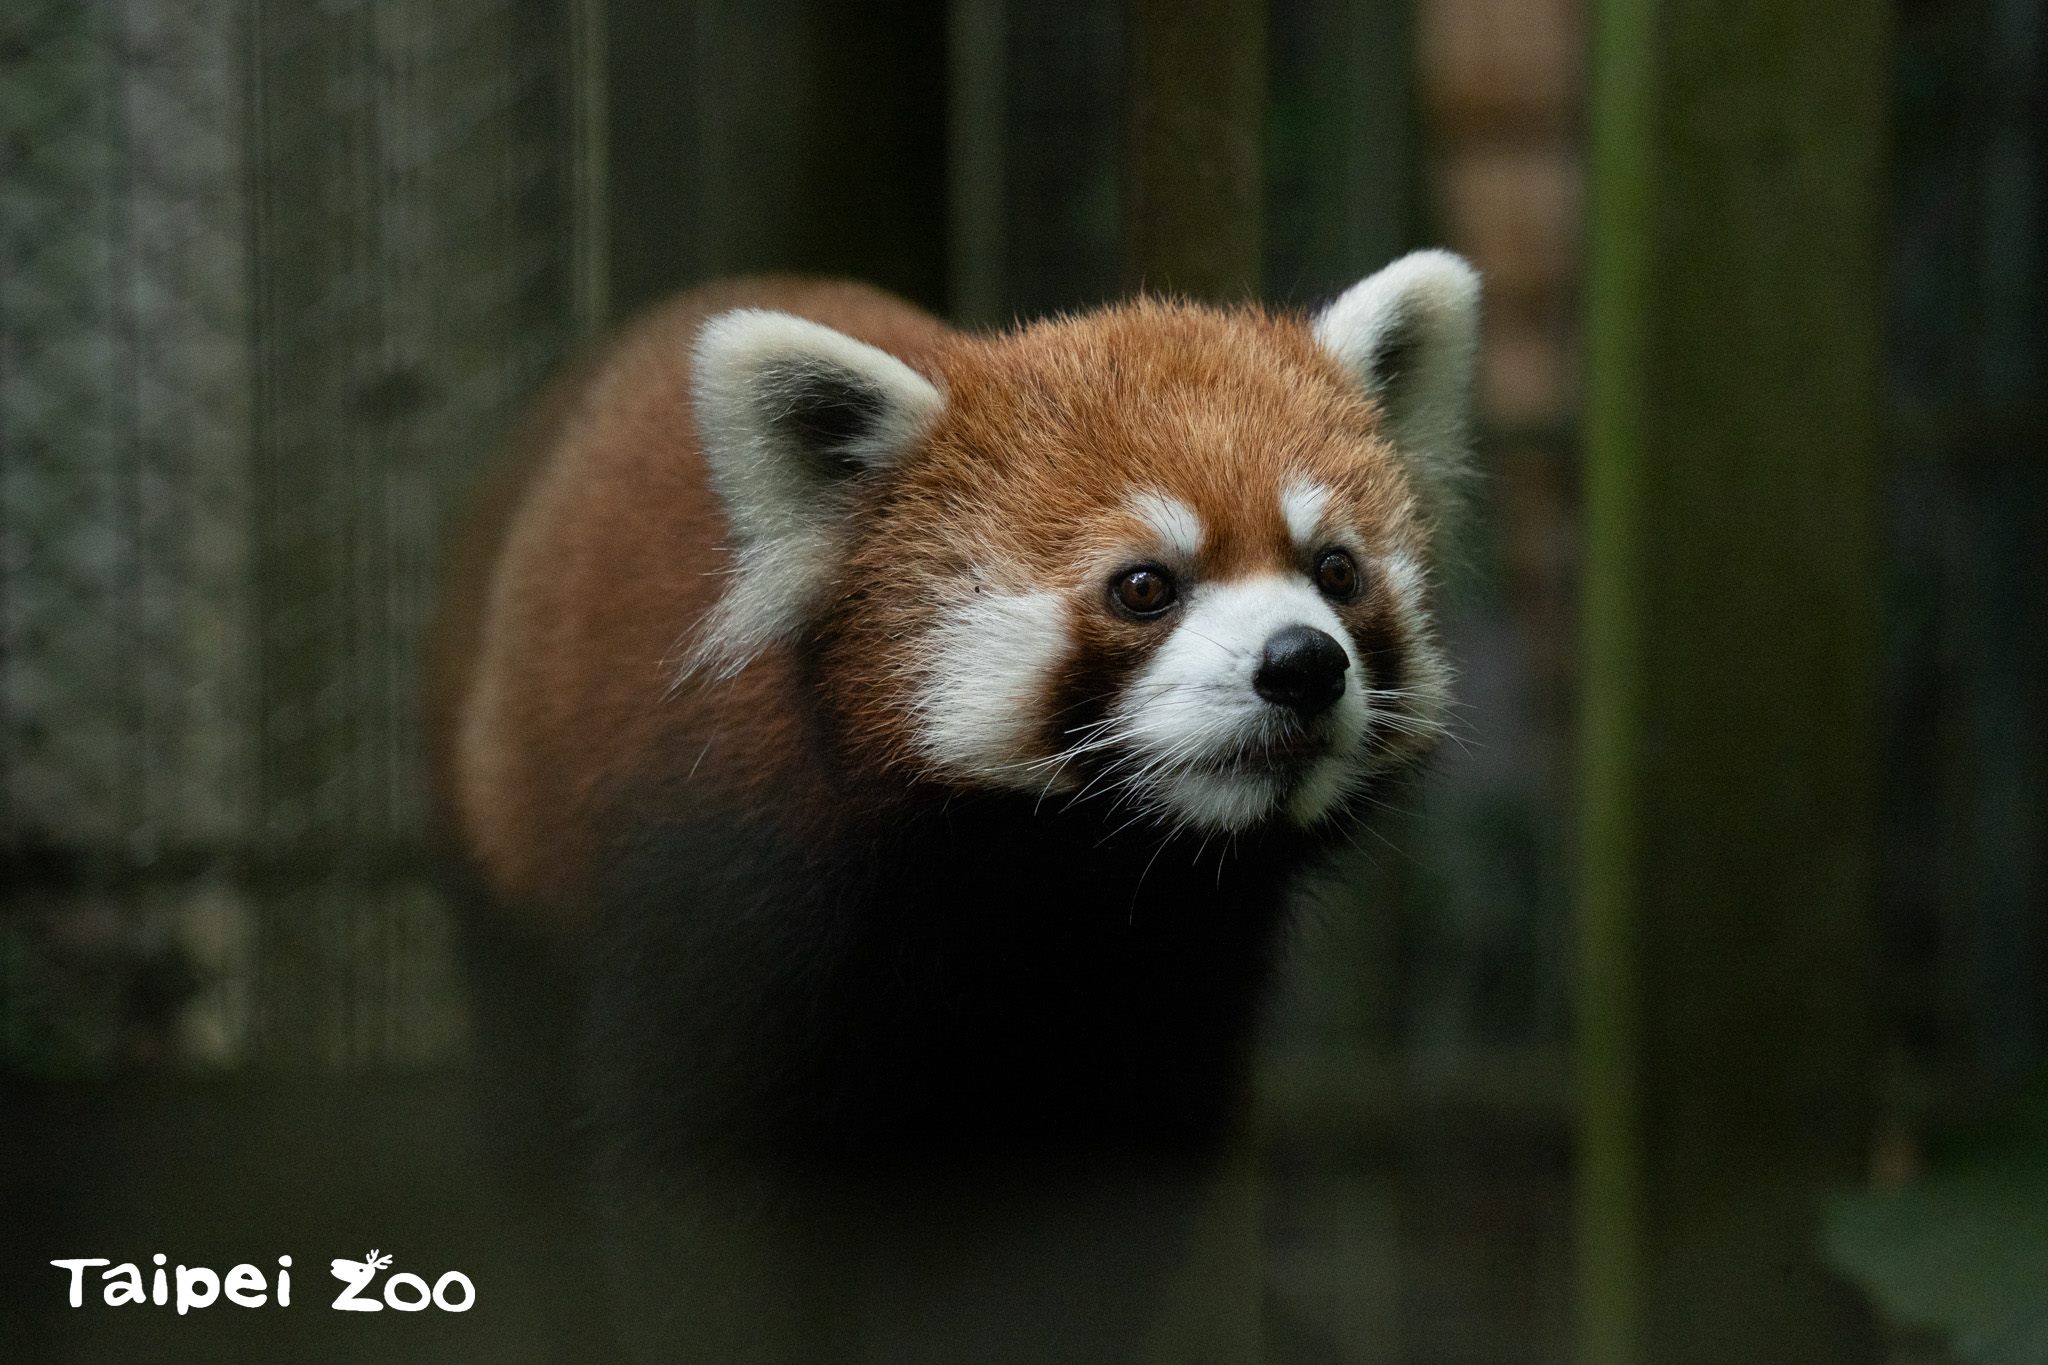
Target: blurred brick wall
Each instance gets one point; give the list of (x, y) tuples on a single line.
[(1502, 96), (1502, 92), (271, 279)]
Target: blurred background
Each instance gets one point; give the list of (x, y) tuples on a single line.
[(1696, 1010)]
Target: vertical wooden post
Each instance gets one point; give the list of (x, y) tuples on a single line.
[(589, 150), (1340, 144), (1730, 616), (1194, 217), (647, 166), (977, 81), (775, 135), (1196, 193), (1038, 140)]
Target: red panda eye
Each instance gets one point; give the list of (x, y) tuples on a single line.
[(1143, 591), (1337, 575)]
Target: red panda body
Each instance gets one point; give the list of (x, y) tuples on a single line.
[(553, 688), (908, 739)]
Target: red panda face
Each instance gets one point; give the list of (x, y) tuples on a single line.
[(1166, 559)]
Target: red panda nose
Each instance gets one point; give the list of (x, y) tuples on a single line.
[(1303, 670)]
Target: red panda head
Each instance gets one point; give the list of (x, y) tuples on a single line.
[(1172, 558)]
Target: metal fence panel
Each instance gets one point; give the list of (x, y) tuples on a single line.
[(272, 276)]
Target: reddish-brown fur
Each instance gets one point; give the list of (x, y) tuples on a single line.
[(555, 691)]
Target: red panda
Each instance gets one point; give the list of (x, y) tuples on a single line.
[(904, 740)]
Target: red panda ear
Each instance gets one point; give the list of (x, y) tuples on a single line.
[(1409, 337), (789, 414)]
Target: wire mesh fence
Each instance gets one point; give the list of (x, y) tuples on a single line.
[(271, 279)]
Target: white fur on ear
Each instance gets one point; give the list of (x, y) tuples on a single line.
[(790, 413), (1409, 335)]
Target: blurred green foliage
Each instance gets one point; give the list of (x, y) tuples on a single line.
[(1962, 1253)]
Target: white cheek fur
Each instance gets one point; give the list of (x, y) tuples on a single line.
[(980, 705), (1416, 713)]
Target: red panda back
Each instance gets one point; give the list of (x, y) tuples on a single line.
[(596, 547)]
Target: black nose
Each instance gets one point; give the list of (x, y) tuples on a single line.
[(1303, 670)]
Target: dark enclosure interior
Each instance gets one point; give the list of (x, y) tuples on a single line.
[(1695, 1012)]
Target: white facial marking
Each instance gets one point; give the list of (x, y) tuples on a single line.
[(1413, 714), (977, 709), (1175, 523), (1302, 503), (1407, 579), (1191, 717)]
